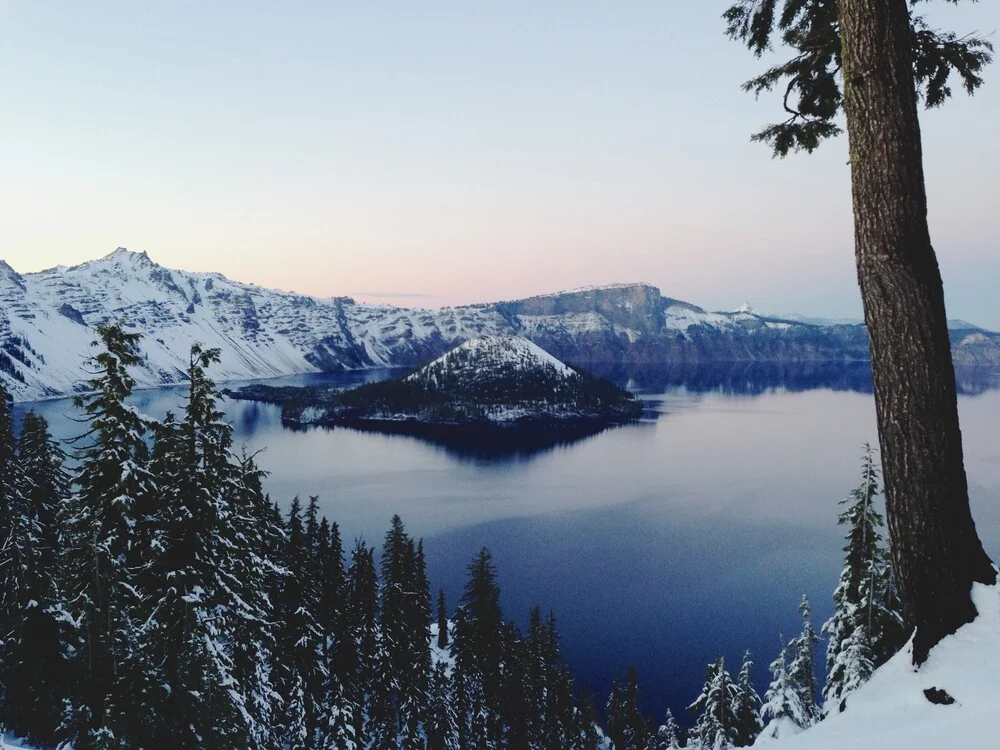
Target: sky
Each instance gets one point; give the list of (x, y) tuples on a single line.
[(449, 152)]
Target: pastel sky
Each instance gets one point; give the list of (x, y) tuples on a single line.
[(439, 153)]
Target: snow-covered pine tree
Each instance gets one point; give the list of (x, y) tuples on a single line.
[(668, 734), (442, 621), (16, 539), (867, 626), (301, 676), (782, 712), (802, 669), (625, 726), (746, 705), (535, 693), (33, 653), (442, 725), (200, 596), (100, 560), (332, 590), (478, 651), (514, 713), (254, 550), (357, 655), (588, 735), (716, 727), (560, 709), (790, 702)]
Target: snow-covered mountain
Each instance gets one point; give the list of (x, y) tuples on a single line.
[(488, 354), (47, 320)]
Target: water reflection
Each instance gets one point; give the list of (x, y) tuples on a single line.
[(759, 378), (480, 445)]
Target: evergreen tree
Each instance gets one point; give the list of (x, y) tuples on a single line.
[(442, 724), (101, 545), (716, 727), (588, 736), (202, 592), (33, 659), (782, 702), (302, 677), (254, 547), (875, 60), (442, 621), (332, 591), (478, 650), (790, 701), (626, 727), (866, 627), (802, 669), (746, 706), (668, 734), (11, 510), (357, 657)]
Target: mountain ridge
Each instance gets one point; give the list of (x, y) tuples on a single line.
[(47, 319)]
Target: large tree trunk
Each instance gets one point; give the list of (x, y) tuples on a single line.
[(935, 549)]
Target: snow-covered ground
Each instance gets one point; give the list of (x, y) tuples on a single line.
[(891, 712)]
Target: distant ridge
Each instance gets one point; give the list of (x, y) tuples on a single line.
[(47, 320)]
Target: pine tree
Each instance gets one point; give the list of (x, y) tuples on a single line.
[(203, 593), (478, 649), (357, 656), (790, 701), (668, 734), (442, 724), (33, 659), (716, 727), (101, 543), (802, 669), (253, 585), (866, 627), (782, 705), (302, 678), (588, 736), (626, 727), (442, 621), (746, 706), (874, 61)]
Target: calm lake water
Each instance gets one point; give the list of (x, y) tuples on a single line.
[(659, 544)]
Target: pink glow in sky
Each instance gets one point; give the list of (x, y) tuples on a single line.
[(447, 153)]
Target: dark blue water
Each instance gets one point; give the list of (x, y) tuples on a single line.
[(660, 544)]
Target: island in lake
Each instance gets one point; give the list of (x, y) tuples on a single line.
[(486, 386)]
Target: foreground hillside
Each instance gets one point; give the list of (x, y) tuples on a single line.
[(891, 712), (47, 320)]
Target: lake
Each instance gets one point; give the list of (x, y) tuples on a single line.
[(658, 544)]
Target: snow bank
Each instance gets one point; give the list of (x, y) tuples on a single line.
[(891, 712)]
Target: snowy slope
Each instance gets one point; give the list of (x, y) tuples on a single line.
[(890, 712), (492, 353)]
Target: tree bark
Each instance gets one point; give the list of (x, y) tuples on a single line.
[(935, 549)]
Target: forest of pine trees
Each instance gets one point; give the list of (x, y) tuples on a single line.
[(154, 596)]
